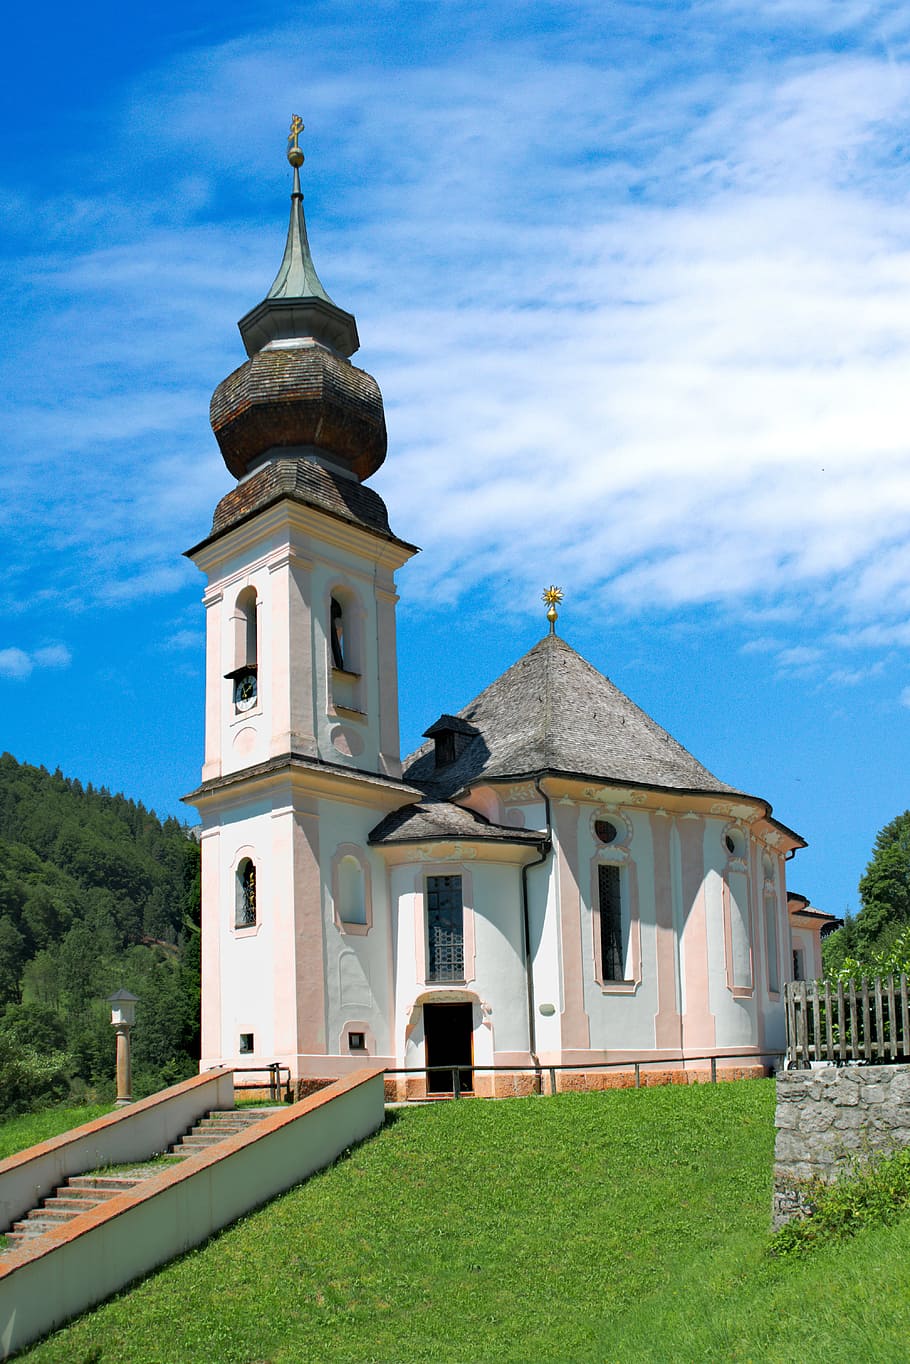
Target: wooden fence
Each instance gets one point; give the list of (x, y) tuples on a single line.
[(864, 1020)]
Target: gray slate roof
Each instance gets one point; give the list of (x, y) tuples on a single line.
[(440, 820), (553, 712), (302, 480)]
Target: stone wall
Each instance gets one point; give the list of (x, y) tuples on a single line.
[(827, 1119)]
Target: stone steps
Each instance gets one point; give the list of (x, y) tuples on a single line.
[(216, 1127), (81, 1193), (76, 1196)]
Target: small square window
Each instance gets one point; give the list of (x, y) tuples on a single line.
[(246, 1043), (357, 1041)]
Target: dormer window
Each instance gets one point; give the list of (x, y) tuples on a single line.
[(451, 736)]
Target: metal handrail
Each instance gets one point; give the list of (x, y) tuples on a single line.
[(657, 1064)]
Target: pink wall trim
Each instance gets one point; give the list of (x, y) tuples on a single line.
[(389, 743), (575, 1025), (214, 686), (309, 945), (667, 1022), (698, 1023)]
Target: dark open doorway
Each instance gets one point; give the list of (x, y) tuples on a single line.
[(448, 1029)]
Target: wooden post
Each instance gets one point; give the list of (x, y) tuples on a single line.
[(803, 1022), (124, 1066), (892, 1021), (867, 1020), (842, 1020), (854, 1024), (816, 1023), (905, 1015), (829, 1031)]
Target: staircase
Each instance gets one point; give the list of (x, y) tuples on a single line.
[(81, 1193)]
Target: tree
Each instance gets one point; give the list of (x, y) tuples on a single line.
[(874, 942), (12, 960), (885, 887)]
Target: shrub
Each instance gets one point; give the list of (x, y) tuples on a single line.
[(29, 1079), (873, 1193)]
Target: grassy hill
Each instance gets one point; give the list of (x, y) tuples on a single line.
[(630, 1225)]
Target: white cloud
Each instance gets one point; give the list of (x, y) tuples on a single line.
[(642, 325), (18, 664), (184, 639), (800, 658), (853, 677)]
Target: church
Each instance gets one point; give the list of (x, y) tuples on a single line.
[(550, 880)]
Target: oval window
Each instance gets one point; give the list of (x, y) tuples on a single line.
[(605, 831)]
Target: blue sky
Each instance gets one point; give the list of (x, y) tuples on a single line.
[(635, 282)]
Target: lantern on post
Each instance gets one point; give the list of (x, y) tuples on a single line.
[(123, 1016)]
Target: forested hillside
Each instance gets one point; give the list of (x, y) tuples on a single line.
[(95, 894)]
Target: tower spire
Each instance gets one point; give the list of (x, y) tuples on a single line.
[(297, 306), (297, 277)]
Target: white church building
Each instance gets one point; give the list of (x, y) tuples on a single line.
[(550, 880)]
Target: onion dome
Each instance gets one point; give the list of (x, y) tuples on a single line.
[(298, 394)]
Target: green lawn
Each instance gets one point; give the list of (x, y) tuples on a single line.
[(630, 1225), (28, 1130)]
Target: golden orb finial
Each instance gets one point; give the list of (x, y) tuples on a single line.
[(552, 596), (295, 155)]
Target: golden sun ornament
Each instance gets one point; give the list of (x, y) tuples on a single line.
[(552, 596)]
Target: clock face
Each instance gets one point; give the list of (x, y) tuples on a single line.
[(245, 691)]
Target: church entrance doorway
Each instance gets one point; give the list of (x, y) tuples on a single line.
[(448, 1030)]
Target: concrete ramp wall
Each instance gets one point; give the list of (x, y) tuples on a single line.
[(136, 1132), (67, 1271)]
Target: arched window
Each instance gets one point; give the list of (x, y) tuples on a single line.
[(336, 634), (245, 904), (352, 907), (246, 635), (243, 676), (614, 928)]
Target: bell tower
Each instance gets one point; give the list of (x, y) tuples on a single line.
[(301, 669)]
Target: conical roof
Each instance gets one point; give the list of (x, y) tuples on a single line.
[(553, 712)]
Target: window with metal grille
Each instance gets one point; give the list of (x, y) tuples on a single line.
[(445, 928), (245, 912), (612, 948)]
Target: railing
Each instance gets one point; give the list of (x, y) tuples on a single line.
[(865, 1020), (639, 1068), (275, 1073)]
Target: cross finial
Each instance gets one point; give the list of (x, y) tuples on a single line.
[(552, 596), (295, 155)]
